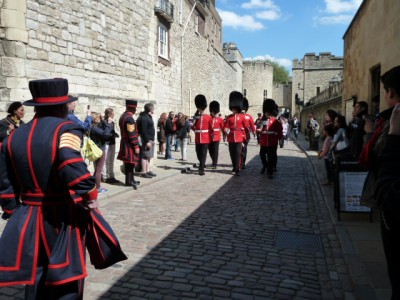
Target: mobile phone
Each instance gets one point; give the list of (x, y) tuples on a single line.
[(88, 106)]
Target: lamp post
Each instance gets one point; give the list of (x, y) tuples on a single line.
[(182, 35)]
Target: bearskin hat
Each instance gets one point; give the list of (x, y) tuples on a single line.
[(214, 107), (236, 100), (269, 106), (201, 102), (245, 104)]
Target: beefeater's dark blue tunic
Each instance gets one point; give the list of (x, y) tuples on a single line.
[(43, 182)]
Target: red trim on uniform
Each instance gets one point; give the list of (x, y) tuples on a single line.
[(131, 105), (79, 179), (70, 161), (20, 246), (7, 196), (91, 195), (105, 231), (67, 262), (43, 234), (55, 141), (8, 211), (66, 280), (29, 155), (51, 99)]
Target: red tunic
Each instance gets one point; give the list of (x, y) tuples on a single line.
[(271, 132), (235, 126), (218, 125), (249, 125), (203, 129), (129, 139)]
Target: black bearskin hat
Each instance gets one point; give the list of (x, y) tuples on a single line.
[(269, 106), (245, 104), (201, 102), (236, 101), (214, 107)]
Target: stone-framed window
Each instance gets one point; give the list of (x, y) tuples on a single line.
[(244, 92), (265, 94), (163, 41), (317, 90)]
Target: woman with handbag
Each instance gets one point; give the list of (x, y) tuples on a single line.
[(99, 133), (340, 142)]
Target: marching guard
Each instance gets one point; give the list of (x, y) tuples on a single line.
[(129, 150), (235, 128), (250, 128), (218, 127), (203, 130), (270, 134), (52, 198)]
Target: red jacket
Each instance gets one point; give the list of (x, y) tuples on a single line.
[(249, 125), (203, 129), (218, 125), (235, 125), (271, 132)]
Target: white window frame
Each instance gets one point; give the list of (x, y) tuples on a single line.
[(163, 41)]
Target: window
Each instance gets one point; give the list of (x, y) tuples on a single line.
[(265, 94), (163, 41), (244, 92), (196, 24), (318, 90)]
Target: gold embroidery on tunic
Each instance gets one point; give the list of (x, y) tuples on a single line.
[(70, 140)]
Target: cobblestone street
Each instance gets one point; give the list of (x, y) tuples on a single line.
[(223, 237)]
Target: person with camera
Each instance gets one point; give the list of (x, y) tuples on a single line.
[(73, 118), (313, 132), (203, 131)]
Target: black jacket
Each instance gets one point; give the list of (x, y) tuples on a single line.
[(146, 128)]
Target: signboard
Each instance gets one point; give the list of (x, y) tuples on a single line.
[(350, 177)]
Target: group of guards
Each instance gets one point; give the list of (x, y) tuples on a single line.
[(237, 127)]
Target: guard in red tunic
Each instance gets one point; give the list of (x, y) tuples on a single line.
[(52, 198), (235, 128), (203, 131), (129, 149), (270, 134), (218, 126), (250, 128)]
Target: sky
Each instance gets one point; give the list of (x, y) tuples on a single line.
[(283, 30)]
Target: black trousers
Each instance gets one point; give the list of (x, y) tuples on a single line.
[(235, 151), (391, 247), (213, 149), (201, 151), (129, 173), (269, 157), (244, 152)]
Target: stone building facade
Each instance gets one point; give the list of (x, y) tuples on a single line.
[(257, 84), (371, 47), (110, 50), (312, 75), (282, 94)]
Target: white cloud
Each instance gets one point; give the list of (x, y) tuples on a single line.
[(286, 62), (270, 15), (341, 6), (246, 22), (338, 19), (259, 4)]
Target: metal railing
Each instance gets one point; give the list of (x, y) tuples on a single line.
[(334, 90), (165, 6)]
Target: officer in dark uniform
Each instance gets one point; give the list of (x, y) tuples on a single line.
[(129, 150), (52, 198)]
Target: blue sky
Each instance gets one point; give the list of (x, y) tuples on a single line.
[(283, 30)]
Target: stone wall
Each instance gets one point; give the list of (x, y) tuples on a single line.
[(282, 94), (371, 41), (258, 77), (312, 72), (108, 50)]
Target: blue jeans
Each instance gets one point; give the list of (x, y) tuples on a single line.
[(168, 153)]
